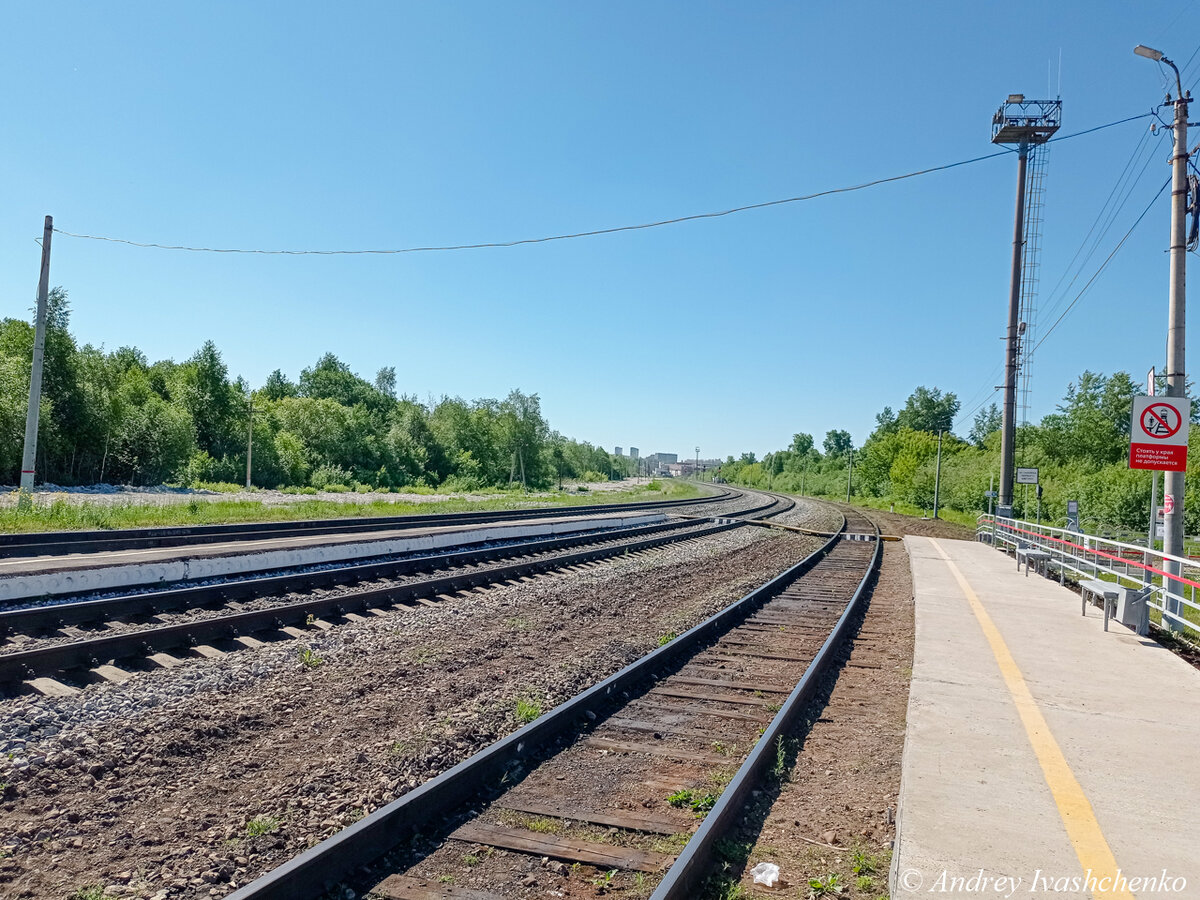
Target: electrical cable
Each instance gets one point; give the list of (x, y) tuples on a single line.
[(1102, 267), (1123, 188), (581, 234), (1096, 221)]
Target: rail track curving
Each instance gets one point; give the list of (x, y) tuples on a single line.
[(49, 641), (618, 776)]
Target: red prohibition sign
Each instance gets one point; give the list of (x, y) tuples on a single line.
[(1159, 426)]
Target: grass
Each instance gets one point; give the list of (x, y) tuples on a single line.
[(89, 892), (667, 638), (60, 515), (260, 825), (954, 516), (861, 873), (527, 709), (309, 658), (693, 800), (862, 863), (824, 887), (728, 888), (672, 845), (605, 880), (542, 825)]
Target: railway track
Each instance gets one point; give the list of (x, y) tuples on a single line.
[(47, 647), (60, 543), (636, 778)]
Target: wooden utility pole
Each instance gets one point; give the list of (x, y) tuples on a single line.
[(35, 375)]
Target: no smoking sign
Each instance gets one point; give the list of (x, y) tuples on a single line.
[(1158, 433)]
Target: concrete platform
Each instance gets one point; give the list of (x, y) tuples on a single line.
[(1040, 747), (39, 576)]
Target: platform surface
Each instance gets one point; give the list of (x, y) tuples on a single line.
[(1038, 745), (250, 544)]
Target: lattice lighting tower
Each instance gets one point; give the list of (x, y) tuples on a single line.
[(1026, 123)]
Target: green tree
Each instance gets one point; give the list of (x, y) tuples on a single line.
[(987, 420), (837, 443), (928, 410), (277, 387)]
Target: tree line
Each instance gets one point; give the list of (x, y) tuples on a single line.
[(1080, 449), (116, 417)]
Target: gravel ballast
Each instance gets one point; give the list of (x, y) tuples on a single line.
[(190, 781)]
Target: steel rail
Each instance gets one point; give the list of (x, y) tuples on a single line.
[(91, 652), (58, 543), (313, 872), (184, 596), (693, 866)]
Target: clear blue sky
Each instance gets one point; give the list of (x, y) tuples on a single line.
[(383, 125)]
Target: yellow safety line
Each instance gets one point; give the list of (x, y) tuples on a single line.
[(1095, 856)]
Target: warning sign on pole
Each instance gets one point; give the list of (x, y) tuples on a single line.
[(1159, 432)]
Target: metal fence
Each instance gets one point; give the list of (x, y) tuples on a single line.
[(1174, 579)]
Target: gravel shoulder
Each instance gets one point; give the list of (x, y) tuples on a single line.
[(191, 781)]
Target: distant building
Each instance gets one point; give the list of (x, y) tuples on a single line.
[(633, 452), (667, 458), (617, 451)]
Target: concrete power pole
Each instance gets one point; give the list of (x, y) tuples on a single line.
[(850, 475), (1008, 429), (1176, 316), (937, 478), (29, 457), (1026, 123), (249, 435)]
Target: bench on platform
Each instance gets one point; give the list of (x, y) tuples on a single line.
[(1130, 606), (1034, 556)]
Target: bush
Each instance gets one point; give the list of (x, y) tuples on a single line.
[(337, 488), (461, 484), (363, 488), (327, 476), (593, 475), (654, 485), (200, 468), (220, 487), (292, 489)]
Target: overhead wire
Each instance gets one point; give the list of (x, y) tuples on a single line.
[(1099, 215), (1103, 266), (580, 234), (1123, 189)]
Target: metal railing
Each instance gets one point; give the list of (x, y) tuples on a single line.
[(1174, 579)]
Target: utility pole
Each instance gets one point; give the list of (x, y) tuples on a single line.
[(937, 478), (29, 456), (249, 434), (850, 475), (1173, 483), (696, 474), (1025, 123), (1008, 428), (1151, 535)]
